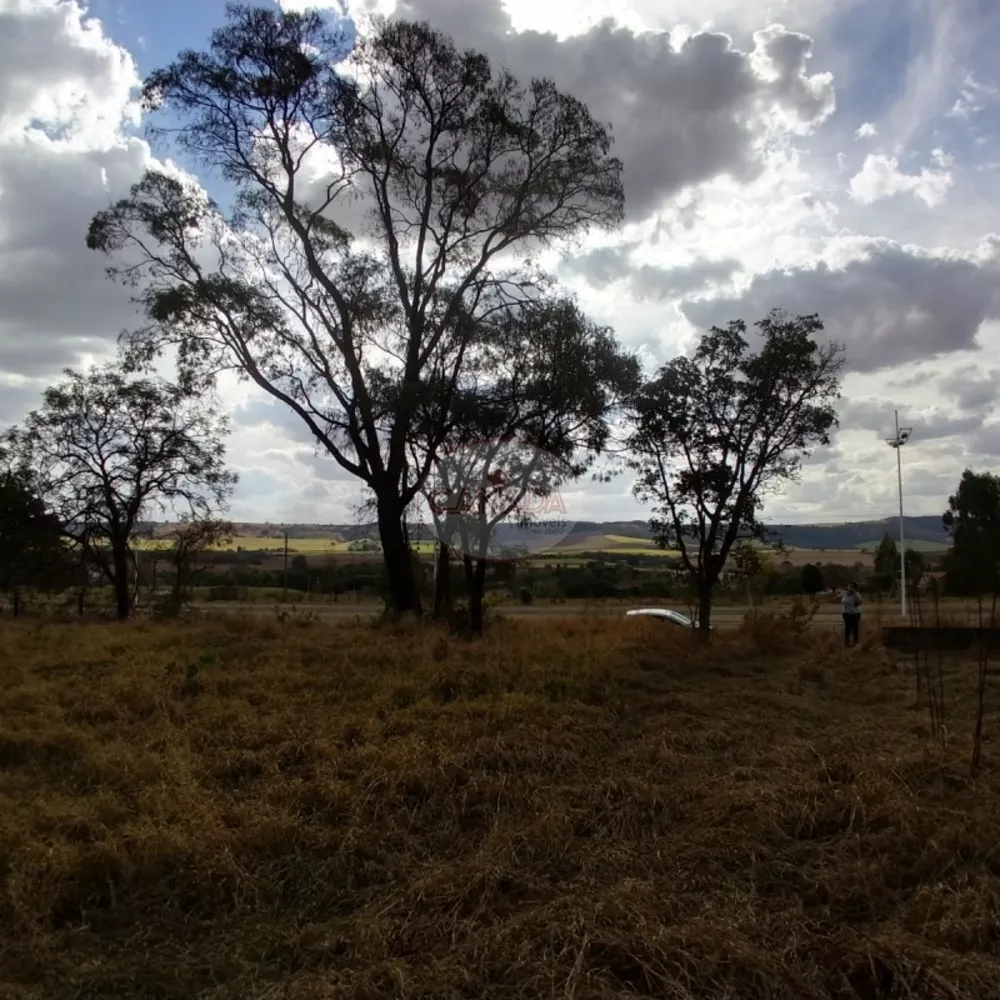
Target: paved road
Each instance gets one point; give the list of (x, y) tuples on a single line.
[(723, 618)]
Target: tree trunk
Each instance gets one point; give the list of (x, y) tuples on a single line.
[(15, 602), (442, 583), (477, 599), (404, 592), (84, 583), (177, 587), (475, 578), (469, 568), (121, 583), (704, 610)]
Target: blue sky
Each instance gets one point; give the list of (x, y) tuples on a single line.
[(775, 198), (155, 32), (882, 40)]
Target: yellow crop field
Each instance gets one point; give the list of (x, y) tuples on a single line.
[(260, 543)]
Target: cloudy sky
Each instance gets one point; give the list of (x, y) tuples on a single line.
[(830, 156)]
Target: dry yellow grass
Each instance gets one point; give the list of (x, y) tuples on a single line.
[(250, 809)]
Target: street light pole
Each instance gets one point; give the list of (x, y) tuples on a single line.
[(902, 539), (901, 437)]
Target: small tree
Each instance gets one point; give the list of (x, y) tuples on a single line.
[(190, 540), (972, 568), (534, 414), (972, 564), (812, 580), (33, 550), (104, 451), (886, 565), (915, 567), (451, 170), (751, 565), (715, 432)]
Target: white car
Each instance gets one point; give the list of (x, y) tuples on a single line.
[(667, 614)]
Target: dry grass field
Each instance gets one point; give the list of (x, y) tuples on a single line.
[(254, 809)]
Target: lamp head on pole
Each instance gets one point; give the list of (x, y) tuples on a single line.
[(900, 438)]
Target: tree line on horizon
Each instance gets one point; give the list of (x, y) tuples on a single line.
[(397, 307)]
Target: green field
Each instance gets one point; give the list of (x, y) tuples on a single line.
[(917, 546), (618, 550), (629, 540), (625, 545)]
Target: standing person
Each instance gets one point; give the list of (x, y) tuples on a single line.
[(851, 604)]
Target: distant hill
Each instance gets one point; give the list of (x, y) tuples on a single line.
[(925, 532), (849, 535), (863, 534), (625, 529)]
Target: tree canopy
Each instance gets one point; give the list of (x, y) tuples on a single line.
[(33, 550), (812, 579), (886, 564), (972, 565), (381, 217)]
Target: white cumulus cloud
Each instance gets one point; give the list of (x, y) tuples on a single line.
[(881, 177)]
